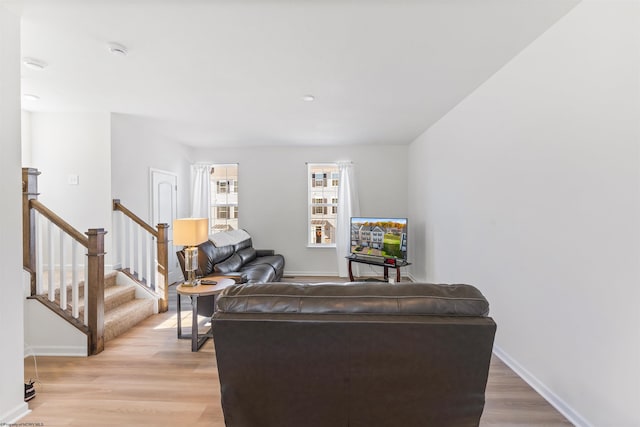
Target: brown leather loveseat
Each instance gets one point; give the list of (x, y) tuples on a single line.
[(356, 355), (231, 253)]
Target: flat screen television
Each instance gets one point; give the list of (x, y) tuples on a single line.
[(385, 238)]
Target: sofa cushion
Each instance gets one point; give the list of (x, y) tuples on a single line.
[(247, 254), (356, 298), (247, 243), (233, 263), (209, 255), (275, 261), (260, 273)]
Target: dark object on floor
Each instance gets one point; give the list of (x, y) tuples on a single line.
[(29, 391), (365, 354)]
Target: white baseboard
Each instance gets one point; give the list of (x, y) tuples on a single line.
[(56, 350), (325, 273), (553, 399), (10, 417), (310, 273)]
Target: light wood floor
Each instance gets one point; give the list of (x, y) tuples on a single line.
[(149, 377)]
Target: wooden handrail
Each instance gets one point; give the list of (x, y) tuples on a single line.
[(161, 235), (55, 219), (117, 206), (93, 241)]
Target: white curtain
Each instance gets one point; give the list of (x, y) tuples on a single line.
[(348, 206), (200, 190)]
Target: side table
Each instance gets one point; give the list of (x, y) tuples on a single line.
[(397, 264), (197, 339)]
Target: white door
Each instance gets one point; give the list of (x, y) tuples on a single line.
[(164, 208)]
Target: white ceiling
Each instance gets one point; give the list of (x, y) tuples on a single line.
[(231, 72)]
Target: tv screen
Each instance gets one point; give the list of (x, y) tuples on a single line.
[(379, 237)]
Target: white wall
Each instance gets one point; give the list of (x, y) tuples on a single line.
[(530, 189), (273, 194), (12, 403), (137, 144), (25, 130), (58, 338), (65, 144)]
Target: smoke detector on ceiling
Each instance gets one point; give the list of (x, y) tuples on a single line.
[(117, 49)]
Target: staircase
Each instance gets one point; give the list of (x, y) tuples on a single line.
[(57, 257), (122, 310)]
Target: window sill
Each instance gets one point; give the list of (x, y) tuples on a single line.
[(320, 246)]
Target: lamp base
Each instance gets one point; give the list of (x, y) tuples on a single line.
[(191, 265), (191, 279)]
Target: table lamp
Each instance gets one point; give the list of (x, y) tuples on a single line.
[(190, 232)]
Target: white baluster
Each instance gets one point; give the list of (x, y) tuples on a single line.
[(51, 260), (149, 245), (156, 273), (63, 284), (139, 264), (39, 252), (74, 278), (131, 245), (86, 289)]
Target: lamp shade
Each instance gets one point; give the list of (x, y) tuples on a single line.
[(190, 231)]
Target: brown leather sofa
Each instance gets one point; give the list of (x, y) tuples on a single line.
[(240, 259), (357, 355)]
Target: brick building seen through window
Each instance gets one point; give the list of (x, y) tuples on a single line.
[(323, 181)]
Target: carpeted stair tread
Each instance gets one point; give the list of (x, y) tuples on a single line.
[(113, 296), (118, 295), (124, 316), (121, 308), (109, 281)]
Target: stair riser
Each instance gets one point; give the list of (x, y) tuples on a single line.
[(120, 298), (115, 325)]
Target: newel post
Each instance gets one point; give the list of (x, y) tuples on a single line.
[(95, 282), (163, 266), (29, 192)]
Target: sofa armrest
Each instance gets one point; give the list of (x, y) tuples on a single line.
[(265, 252)]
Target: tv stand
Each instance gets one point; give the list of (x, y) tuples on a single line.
[(380, 262)]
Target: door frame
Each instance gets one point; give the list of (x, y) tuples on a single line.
[(175, 274)]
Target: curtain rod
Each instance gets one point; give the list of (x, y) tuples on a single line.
[(328, 163)]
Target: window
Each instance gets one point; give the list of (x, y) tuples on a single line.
[(222, 212), (323, 180), (318, 206), (224, 198)]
